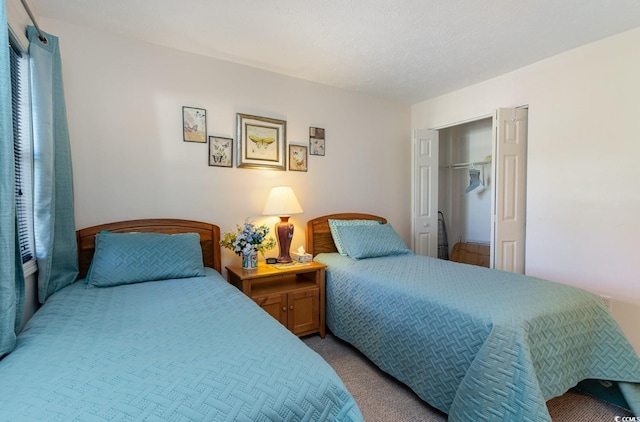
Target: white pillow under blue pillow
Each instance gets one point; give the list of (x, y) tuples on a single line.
[(335, 223), (372, 241), (122, 258)]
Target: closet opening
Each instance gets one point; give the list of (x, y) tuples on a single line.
[(465, 183)]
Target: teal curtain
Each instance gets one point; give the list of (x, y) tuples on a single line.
[(54, 221), (11, 276)]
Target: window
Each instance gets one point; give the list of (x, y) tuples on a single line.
[(23, 152)]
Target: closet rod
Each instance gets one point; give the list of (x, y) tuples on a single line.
[(41, 36), (466, 165)]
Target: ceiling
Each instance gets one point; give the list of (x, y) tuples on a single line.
[(403, 50)]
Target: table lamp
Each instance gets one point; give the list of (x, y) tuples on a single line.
[(283, 203)]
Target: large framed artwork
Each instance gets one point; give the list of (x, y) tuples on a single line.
[(194, 124), (261, 142)]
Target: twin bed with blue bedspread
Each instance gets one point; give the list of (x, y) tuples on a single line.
[(154, 334), (477, 344)]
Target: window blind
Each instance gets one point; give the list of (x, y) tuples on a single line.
[(23, 157)]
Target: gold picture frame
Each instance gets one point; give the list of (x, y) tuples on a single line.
[(261, 142)]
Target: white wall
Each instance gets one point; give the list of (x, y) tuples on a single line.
[(124, 101), (583, 199)]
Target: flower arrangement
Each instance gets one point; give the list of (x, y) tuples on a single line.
[(248, 239)]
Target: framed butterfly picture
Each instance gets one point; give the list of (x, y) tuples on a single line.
[(261, 142), (220, 151), (194, 124), (316, 141), (297, 157)]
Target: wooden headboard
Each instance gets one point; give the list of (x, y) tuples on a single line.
[(318, 235), (209, 238)]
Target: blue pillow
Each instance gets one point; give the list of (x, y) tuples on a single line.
[(86, 278), (122, 258), (372, 241), (335, 223)]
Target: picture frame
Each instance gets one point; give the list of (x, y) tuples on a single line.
[(194, 124), (316, 141), (298, 157), (220, 151), (261, 142)]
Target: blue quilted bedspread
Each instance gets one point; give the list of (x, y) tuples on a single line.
[(477, 344), (176, 350)]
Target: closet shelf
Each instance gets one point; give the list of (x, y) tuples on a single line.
[(467, 165)]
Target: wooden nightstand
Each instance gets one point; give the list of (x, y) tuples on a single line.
[(294, 295)]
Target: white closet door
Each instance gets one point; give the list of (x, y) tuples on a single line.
[(510, 166), (425, 227)]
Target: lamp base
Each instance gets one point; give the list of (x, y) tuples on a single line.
[(284, 231)]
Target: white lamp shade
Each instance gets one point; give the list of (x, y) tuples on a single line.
[(282, 202)]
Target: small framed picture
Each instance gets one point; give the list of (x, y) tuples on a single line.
[(194, 124), (316, 141), (297, 158), (220, 151), (261, 142)]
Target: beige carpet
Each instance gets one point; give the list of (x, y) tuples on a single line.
[(381, 398)]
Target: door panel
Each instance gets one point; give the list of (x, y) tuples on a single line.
[(510, 196), (425, 233), (275, 305), (304, 311)]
